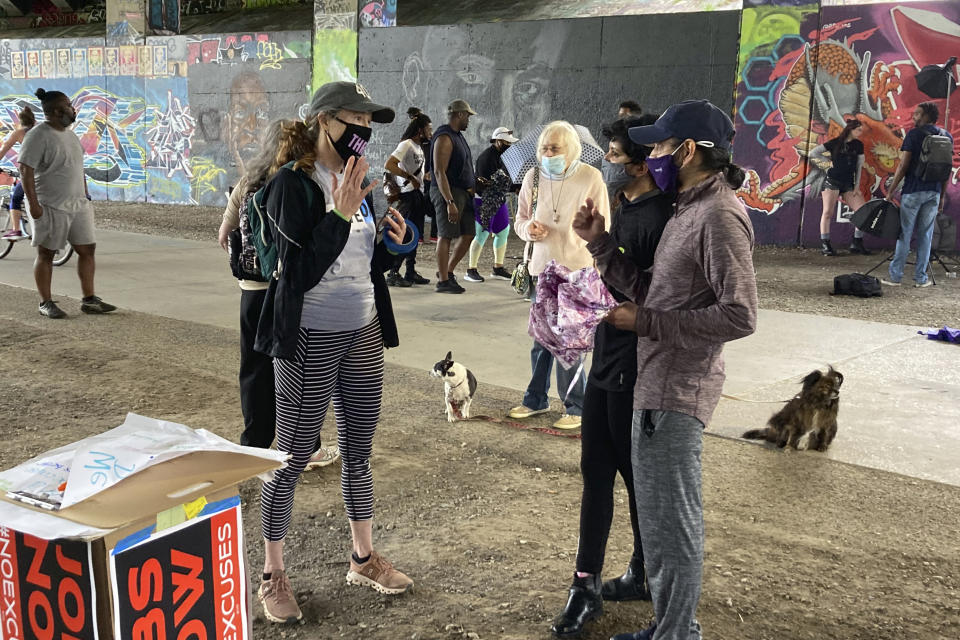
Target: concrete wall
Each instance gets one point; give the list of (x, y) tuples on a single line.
[(522, 74)]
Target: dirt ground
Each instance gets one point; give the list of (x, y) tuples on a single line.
[(484, 517), (788, 278)]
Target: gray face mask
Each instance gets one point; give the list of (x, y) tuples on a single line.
[(67, 118), (615, 175)]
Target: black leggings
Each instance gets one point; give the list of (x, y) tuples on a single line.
[(605, 450)]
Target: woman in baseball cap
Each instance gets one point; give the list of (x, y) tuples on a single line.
[(326, 319), (691, 140), (700, 293)]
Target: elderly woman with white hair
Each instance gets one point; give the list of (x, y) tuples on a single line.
[(550, 196)]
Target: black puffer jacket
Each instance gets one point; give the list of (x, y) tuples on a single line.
[(308, 241)]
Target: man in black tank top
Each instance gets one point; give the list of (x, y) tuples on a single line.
[(452, 192)]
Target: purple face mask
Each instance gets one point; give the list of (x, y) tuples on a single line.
[(664, 171)]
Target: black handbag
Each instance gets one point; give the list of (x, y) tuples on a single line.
[(522, 281)]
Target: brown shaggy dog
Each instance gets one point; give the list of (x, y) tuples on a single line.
[(809, 420)]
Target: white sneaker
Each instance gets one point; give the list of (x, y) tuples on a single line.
[(924, 285), (324, 456), (889, 283)]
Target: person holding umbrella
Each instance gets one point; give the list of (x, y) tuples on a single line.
[(845, 160), (920, 201), (550, 195)]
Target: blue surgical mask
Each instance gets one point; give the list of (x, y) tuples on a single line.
[(664, 171), (553, 165)]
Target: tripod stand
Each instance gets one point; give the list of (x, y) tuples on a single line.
[(889, 258)]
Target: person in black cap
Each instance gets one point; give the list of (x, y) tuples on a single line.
[(700, 293), (325, 320), (636, 225)]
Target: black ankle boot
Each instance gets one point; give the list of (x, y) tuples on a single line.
[(826, 248), (632, 585), (583, 605), (857, 247)]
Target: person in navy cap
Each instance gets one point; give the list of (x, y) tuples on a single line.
[(700, 293)]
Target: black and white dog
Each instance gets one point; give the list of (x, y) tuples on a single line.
[(459, 385)]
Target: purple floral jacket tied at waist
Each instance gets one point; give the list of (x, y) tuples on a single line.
[(569, 305)]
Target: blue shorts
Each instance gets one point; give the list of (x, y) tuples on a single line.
[(16, 197)]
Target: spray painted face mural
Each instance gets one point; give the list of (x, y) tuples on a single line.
[(248, 114), (500, 90)]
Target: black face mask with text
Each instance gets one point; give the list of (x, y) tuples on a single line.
[(353, 142)]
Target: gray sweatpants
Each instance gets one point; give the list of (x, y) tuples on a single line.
[(666, 448)]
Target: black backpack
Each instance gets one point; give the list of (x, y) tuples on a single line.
[(935, 161), (856, 284)]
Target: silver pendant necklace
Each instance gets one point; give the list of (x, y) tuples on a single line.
[(556, 203)]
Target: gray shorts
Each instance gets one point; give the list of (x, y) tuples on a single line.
[(55, 228), (464, 201)]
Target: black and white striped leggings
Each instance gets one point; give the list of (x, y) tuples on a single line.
[(346, 366)]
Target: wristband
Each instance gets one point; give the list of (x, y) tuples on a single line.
[(336, 211)]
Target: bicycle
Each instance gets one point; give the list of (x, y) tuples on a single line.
[(26, 225)]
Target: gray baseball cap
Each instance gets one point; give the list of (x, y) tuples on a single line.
[(350, 96), (460, 105)]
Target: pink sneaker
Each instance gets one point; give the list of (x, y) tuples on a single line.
[(13, 235)]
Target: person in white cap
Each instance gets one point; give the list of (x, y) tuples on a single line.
[(492, 213)]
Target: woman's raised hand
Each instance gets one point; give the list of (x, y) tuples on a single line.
[(588, 223), (348, 195)]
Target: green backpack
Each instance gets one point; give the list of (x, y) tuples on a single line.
[(262, 235)]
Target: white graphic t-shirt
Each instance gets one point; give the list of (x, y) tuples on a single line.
[(410, 159), (343, 299)]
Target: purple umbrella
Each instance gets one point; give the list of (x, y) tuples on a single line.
[(568, 307), (946, 334)]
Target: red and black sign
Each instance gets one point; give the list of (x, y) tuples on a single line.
[(46, 589), (188, 584)]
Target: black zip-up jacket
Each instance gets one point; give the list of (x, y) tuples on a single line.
[(308, 241), (636, 229)]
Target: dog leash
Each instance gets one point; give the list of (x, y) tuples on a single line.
[(526, 427), (729, 397)]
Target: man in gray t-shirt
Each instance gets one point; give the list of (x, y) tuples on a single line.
[(51, 166)]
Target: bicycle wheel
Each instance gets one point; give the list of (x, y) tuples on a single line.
[(62, 256), (6, 246)]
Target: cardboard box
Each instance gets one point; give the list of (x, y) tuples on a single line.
[(159, 553)]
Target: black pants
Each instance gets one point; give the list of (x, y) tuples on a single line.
[(257, 396), (605, 450), (430, 211), (413, 207)]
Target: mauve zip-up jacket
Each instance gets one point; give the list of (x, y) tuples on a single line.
[(700, 293)]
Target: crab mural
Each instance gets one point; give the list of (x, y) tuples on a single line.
[(839, 84), (800, 80)]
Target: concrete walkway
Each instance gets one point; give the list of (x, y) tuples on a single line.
[(901, 395)]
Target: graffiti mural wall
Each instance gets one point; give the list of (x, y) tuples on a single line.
[(237, 84), (170, 120), (802, 71), (334, 41), (378, 13), (116, 92)]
